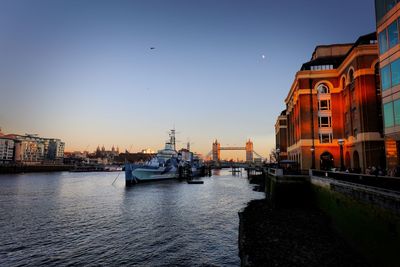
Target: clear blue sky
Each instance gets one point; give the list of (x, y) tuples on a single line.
[(83, 70)]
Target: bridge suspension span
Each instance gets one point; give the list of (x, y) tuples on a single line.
[(215, 153)]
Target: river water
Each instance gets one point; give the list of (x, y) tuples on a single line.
[(58, 219)]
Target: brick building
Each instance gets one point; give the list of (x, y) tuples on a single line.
[(281, 135), (336, 99)]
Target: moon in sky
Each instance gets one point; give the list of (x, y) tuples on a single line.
[(263, 56)]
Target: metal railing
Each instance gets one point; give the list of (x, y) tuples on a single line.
[(384, 182)]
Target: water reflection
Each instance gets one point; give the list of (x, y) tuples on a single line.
[(80, 218)]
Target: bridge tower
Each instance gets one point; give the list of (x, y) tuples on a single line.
[(216, 151), (249, 151)]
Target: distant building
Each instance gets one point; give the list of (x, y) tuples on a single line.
[(103, 153), (132, 157), (281, 135), (55, 150), (104, 156), (6, 150), (388, 23), (148, 151), (31, 149), (335, 98)]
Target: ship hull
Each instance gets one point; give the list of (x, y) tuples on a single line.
[(136, 174)]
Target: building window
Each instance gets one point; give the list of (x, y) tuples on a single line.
[(324, 105), (395, 71), (321, 67), (396, 107), (390, 4), (393, 34), (385, 77), (383, 44), (351, 76), (325, 122), (325, 138), (388, 114), (323, 89), (344, 83), (382, 7)]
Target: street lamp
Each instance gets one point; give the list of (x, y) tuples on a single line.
[(278, 151), (312, 149), (341, 142)]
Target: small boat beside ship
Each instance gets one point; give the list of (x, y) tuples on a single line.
[(167, 164)]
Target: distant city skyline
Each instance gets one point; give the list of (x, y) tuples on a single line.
[(85, 71)]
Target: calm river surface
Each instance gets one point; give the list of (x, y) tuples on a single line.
[(81, 219)]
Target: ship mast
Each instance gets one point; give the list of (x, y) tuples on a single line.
[(172, 139)]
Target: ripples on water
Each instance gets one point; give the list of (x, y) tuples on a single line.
[(81, 219)]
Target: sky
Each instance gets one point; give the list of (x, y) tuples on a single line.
[(84, 71)]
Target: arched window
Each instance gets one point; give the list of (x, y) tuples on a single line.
[(351, 76), (323, 89), (343, 83)]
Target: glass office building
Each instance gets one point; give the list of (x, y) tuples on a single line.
[(388, 27)]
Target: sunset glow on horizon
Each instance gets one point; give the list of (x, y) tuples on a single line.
[(122, 73)]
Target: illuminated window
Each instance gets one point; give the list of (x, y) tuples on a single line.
[(383, 43), (324, 105), (393, 34)]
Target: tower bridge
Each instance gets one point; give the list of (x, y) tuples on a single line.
[(216, 151)]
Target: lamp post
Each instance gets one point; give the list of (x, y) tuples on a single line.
[(278, 151), (341, 142), (312, 149)]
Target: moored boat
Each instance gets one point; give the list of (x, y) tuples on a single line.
[(163, 166), (167, 164)]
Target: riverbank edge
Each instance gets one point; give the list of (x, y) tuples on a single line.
[(12, 169), (291, 237)]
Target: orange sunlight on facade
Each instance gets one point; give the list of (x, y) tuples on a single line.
[(335, 100)]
